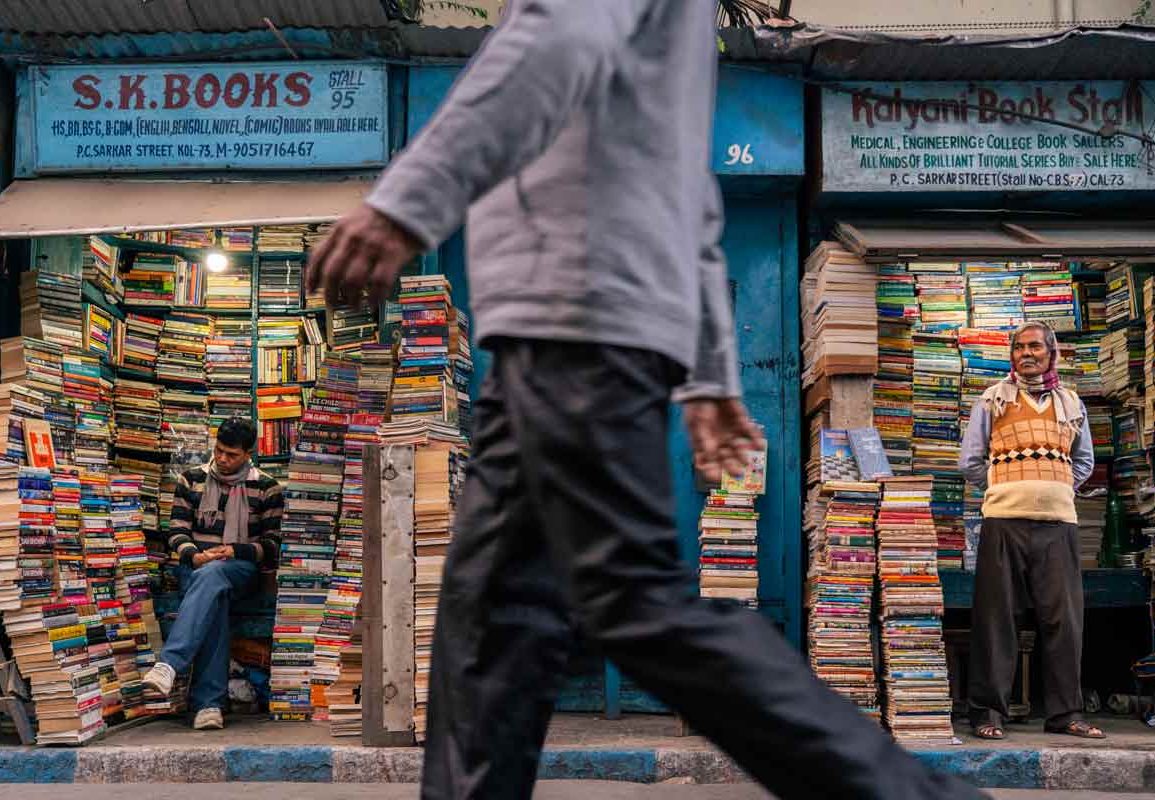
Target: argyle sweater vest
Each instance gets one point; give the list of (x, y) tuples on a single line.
[(1030, 465)]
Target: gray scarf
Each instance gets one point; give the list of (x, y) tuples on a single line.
[(236, 507)]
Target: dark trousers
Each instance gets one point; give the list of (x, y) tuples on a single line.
[(565, 523), (1024, 562)]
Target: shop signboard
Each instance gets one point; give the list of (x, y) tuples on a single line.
[(159, 117), (1005, 137)]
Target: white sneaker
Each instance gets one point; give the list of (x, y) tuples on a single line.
[(160, 678), (209, 719)]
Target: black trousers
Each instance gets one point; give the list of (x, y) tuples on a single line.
[(565, 522), (1023, 562)]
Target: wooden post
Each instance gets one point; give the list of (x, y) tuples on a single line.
[(387, 695), (851, 401)]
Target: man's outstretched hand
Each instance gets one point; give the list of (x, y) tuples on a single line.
[(365, 250), (722, 435)]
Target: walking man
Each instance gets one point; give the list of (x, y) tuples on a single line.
[(225, 526), (1028, 445), (578, 140)]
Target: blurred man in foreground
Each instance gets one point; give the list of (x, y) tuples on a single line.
[(578, 139)]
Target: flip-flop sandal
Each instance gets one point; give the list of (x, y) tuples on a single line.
[(989, 732), (1080, 729)]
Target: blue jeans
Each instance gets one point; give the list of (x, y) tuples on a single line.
[(200, 636)]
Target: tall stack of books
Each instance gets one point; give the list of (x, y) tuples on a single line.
[(839, 321), (942, 299), (99, 538), (1048, 296), (728, 535), (151, 281), (9, 535), (87, 384), (423, 385), (33, 368), (137, 408), (137, 351), (182, 345), (1124, 287), (231, 289), (345, 695), (376, 379), (1149, 362), (918, 701), (345, 585), (1121, 362), (308, 531), (279, 285), (101, 269), (50, 307), (986, 361), (36, 559), (894, 393), (461, 355), (229, 370), (68, 544), (1088, 380), (842, 594), (937, 388), (895, 295), (996, 299)]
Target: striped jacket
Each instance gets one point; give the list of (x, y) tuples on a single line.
[(187, 536)]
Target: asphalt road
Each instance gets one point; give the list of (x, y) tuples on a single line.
[(547, 790)]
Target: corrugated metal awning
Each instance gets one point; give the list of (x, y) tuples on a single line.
[(892, 239), (170, 16), (70, 207), (1115, 52)]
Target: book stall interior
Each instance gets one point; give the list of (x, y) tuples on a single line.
[(133, 349), (897, 352)]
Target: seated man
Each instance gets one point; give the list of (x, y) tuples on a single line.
[(226, 522)]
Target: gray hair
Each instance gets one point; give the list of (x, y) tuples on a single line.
[(1049, 338)]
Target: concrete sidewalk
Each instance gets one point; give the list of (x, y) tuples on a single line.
[(641, 749)]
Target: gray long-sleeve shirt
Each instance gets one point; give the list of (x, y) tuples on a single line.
[(578, 139), (973, 456)]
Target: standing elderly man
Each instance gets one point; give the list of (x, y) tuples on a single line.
[(1029, 447)]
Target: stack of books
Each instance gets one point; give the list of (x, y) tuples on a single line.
[(88, 385), (349, 329), (308, 531), (918, 701), (139, 345), (986, 360), (151, 281), (728, 536), (842, 594), (839, 321), (1088, 380), (37, 535), (68, 546), (1091, 302), (942, 299), (229, 370), (182, 343), (893, 392), (137, 409), (149, 472), (1048, 296), (9, 535), (1101, 422), (231, 289), (279, 285), (282, 239), (50, 307), (996, 299), (237, 240), (101, 269), (376, 379), (193, 238), (423, 385), (439, 471), (1149, 362), (1121, 354), (461, 355), (345, 694), (99, 538), (1091, 507), (895, 295), (1124, 288), (345, 586), (185, 426), (937, 390)]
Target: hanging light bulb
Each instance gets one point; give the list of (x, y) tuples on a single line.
[(216, 260)]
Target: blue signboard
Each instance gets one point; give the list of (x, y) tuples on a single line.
[(757, 124), (283, 116)]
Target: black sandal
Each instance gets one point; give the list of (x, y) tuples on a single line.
[(992, 732), (1079, 728)]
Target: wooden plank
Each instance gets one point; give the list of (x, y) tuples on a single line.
[(387, 698), (372, 681)]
